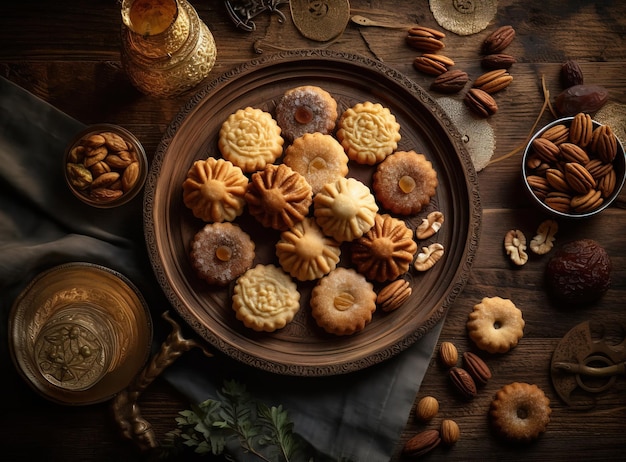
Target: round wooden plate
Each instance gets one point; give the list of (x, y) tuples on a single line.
[(302, 348)]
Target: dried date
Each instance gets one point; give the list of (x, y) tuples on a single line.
[(581, 98), (571, 74)]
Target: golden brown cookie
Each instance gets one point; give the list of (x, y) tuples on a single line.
[(318, 157), (306, 109), (220, 252), (368, 132), (278, 197), (250, 138), (520, 412), (343, 302), (405, 182), (386, 251), (495, 325), (345, 209), (214, 190), (305, 252), (265, 298)]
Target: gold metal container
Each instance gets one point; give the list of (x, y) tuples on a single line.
[(79, 333), (166, 48)]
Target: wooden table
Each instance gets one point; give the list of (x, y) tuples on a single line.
[(67, 53)]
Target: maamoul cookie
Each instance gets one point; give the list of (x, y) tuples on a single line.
[(250, 138), (306, 109), (265, 298), (345, 209), (385, 251), (343, 302), (319, 158), (214, 190), (278, 197), (305, 252), (495, 325), (220, 252), (368, 132), (405, 182), (520, 412)]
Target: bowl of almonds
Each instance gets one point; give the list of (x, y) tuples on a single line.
[(574, 167), (105, 165)]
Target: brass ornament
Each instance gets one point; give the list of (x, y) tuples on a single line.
[(464, 17), (320, 20)]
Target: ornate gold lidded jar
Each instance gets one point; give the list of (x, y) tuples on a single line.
[(166, 48)]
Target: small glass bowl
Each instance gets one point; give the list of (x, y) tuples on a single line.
[(619, 166), (120, 158)]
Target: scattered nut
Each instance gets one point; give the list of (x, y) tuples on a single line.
[(428, 257), (493, 81), (515, 246), (476, 367), (448, 354), (427, 408), (463, 382), (449, 432), (432, 64), (498, 61), (393, 295), (421, 443), (480, 102), (429, 225), (543, 241), (498, 40), (451, 81), (425, 39)]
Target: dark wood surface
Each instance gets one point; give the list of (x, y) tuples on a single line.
[(67, 53)]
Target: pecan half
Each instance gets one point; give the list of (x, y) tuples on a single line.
[(393, 295), (604, 143), (497, 61), (571, 152), (557, 134), (421, 443), (493, 81), (545, 149), (480, 102), (581, 129), (607, 183), (586, 202), (463, 382), (477, 368), (451, 81), (498, 40), (579, 178), (432, 64), (559, 201)]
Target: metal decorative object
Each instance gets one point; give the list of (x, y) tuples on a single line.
[(587, 363), (166, 48), (242, 12)]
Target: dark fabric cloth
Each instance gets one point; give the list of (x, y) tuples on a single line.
[(357, 417)]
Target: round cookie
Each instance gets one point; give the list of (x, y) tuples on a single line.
[(306, 109), (368, 132), (214, 190), (345, 209), (318, 157), (220, 252), (495, 325), (386, 251), (405, 182), (265, 298), (305, 252), (278, 197), (250, 138), (343, 302), (520, 412)]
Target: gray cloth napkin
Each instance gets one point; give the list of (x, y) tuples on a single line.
[(357, 417)]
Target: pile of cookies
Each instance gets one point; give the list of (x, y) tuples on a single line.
[(289, 170)]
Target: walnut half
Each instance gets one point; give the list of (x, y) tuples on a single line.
[(515, 246), (543, 242), (430, 225), (428, 257)]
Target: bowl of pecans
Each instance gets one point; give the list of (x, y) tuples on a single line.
[(105, 165), (574, 167)]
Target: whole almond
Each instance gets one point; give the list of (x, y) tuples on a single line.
[(477, 368), (480, 102), (462, 382), (448, 354), (451, 81), (497, 61), (105, 180), (498, 40), (130, 176), (422, 443), (449, 432), (113, 141), (427, 408)]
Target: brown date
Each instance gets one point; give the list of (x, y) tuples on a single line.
[(581, 98), (571, 74), (579, 272)]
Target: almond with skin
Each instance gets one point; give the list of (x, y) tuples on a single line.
[(462, 382), (477, 368), (422, 443), (498, 40), (448, 354)]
